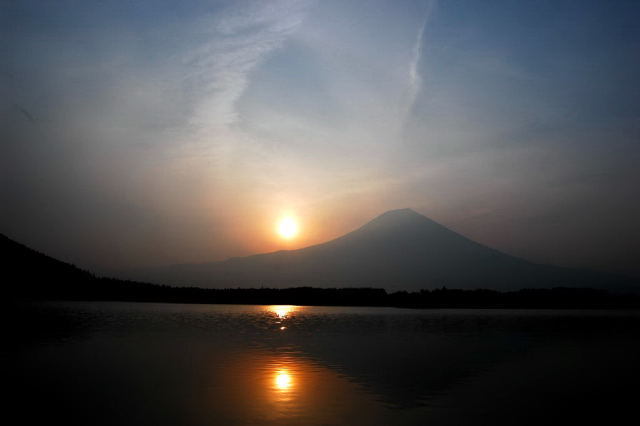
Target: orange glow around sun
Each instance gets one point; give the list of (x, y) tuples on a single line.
[(287, 228)]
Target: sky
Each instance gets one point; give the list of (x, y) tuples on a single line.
[(141, 133)]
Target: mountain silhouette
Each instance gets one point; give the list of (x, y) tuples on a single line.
[(29, 272), (399, 249)]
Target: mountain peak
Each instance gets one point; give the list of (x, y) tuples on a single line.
[(401, 212), (399, 217)]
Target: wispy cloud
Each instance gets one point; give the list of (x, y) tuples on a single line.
[(414, 83), (240, 39)]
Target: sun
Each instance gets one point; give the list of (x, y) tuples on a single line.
[(287, 228)]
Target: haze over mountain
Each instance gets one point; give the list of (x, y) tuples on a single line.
[(399, 249)]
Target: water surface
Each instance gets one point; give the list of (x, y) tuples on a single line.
[(170, 364)]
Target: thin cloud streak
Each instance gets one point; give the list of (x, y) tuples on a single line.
[(414, 84), (240, 40)]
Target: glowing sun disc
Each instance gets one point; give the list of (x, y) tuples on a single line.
[(287, 228)]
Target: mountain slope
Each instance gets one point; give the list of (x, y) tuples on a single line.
[(32, 274), (399, 249)]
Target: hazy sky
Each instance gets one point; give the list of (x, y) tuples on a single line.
[(153, 132)]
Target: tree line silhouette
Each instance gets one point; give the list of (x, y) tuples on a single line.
[(35, 276), (95, 288)]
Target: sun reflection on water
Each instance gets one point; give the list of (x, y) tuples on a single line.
[(285, 386), (283, 380), (281, 384), (282, 311)]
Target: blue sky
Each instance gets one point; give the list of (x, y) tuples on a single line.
[(139, 133)]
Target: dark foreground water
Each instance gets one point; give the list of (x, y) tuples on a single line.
[(167, 364)]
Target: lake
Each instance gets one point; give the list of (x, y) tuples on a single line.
[(109, 363)]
